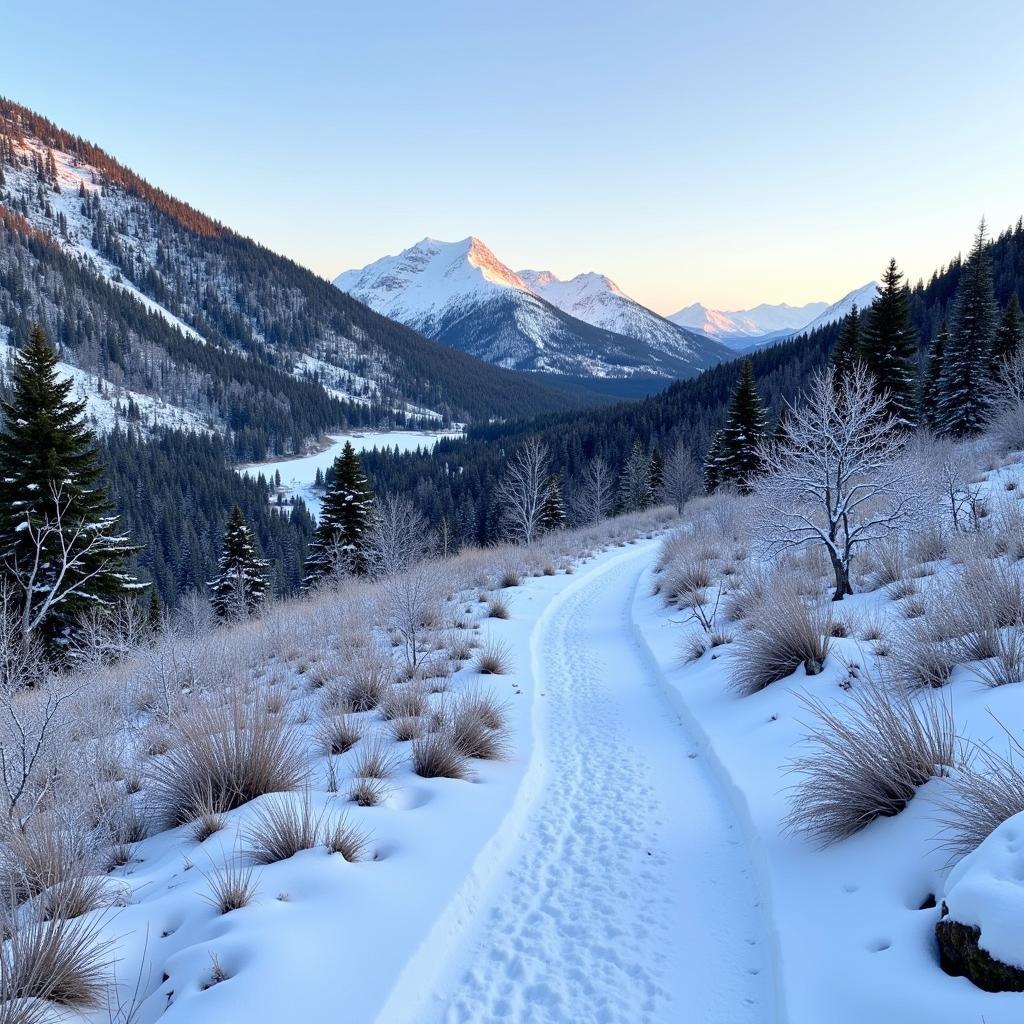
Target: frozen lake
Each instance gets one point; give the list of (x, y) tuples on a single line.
[(299, 474)]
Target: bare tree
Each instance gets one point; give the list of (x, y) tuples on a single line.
[(106, 634), (398, 536), (594, 498), (838, 478), (410, 604), (1006, 405), (63, 558), (946, 466), (681, 477), (523, 491)]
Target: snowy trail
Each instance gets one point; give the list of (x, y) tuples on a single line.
[(629, 897)]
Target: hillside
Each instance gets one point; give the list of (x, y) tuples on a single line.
[(153, 300)]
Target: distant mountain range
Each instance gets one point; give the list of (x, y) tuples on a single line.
[(460, 293), (743, 329)]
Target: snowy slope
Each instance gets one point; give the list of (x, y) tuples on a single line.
[(862, 297), (460, 293)]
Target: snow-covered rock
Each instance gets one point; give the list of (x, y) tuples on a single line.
[(462, 294), (980, 934)]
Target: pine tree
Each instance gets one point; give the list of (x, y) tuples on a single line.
[(888, 346), (154, 615), (657, 472), (967, 363), (241, 583), (59, 548), (713, 463), (737, 459), (635, 481), (846, 352), (1010, 336), (344, 517), (931, 390), (552, 516)]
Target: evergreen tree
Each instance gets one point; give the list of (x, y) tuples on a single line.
[(713, 463), (154, 615), (967, 363), (241, 583), (552, 516), (1010, 336), (888, 346), (59, 548), (657, 471), (931, 391), (635, 481), (846, 352), (736, 459), (344, 517)]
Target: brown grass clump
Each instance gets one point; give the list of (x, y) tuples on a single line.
[(436, 755), (232, 887), (283, 824), (493, 659), (223, 758), (337, 734)]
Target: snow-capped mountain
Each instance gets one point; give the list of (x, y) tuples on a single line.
[(862, 297), (743, 329), (462, 294)]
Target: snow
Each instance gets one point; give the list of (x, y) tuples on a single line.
[(986, 889), (627, 895), (298, 475), (862, 297)]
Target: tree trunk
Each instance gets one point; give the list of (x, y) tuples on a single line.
[(842, 571)]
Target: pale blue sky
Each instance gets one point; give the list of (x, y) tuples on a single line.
[(727, 152)]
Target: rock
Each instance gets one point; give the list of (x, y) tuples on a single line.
[(961, 955)]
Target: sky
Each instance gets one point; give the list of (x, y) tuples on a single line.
[(725, 152)]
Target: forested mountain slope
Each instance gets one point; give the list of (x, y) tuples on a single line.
[(458, 480), (152, 297)]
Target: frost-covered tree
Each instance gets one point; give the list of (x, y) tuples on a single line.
[(888, 347), (967, 363), (523, 491), (735, 455), (657, 471), (337, 547), (398, 536), (682, 477), (839, 479), (635, 481), (60, 549), (241, 583), (594, 498)]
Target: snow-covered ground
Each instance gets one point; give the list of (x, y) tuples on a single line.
[(298, 475)]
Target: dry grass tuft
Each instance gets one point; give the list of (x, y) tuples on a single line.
[(436, 755), (477, 722), (337, 734), (497, 608), (786, 632), (283, 824), (343, 837), (225, 757), (376, 759), (368, 792), (868, 759), (232, 886), (493, 659)]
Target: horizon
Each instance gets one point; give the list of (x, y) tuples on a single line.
[(336, 137)]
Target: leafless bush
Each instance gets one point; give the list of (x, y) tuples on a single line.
[(786, 632), (411, 604), (282, 825), (337, 734), (986, 791), (1006, 425), (232, 886), (224, 757), (867, 759), (397, 537), (493, 659)]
